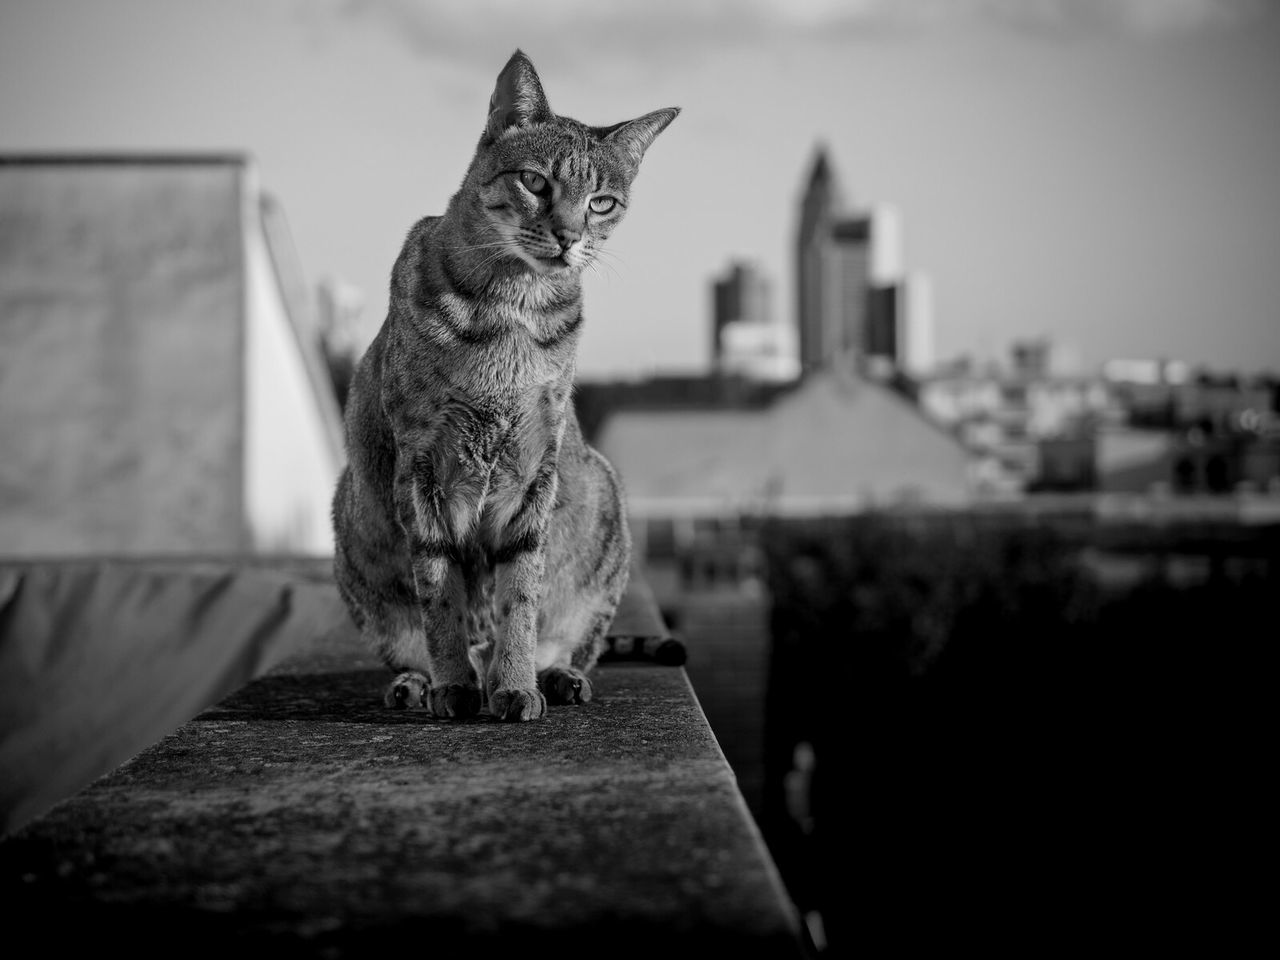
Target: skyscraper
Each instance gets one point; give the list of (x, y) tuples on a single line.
[(850, 283), (814, 298), (740, 296), (915, 328), (744, 338), (835, 258)]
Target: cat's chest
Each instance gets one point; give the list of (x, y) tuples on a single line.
[(480, 456), (490, 436)]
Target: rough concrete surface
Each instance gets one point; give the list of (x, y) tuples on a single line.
[(301, 817)]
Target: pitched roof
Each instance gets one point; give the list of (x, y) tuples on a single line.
[(838, 442)]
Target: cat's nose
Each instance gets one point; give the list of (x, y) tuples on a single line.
[(566, 237)]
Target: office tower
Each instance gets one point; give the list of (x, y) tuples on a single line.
[(915, 349), (848, 275), (886, 246), (847, 272), (818, 211), (884, 322), (740, 296), (745, 339)]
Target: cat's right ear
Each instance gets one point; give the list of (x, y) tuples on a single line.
[(517, 99), (634, 137)]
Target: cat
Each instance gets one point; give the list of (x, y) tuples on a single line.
[(481, 545)]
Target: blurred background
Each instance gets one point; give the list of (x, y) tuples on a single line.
[(939, 353)]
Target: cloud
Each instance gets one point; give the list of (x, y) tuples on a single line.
[(1185, 16), (464, 30), (1129, 16)]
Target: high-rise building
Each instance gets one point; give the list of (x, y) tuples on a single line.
[(745, 339), (854, 299), (884, 322), (740, 296), (914, 347), (886, 247), (846, 262), (848, 276), (818, 212)]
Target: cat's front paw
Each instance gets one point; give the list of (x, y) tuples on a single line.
[(514, 704), (564, 685), (408, 691), (454, 701)]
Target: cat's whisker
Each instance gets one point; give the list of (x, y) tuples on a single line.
[(486, 262), (593, 264), (606, 258), (500, 246), (484, 246)]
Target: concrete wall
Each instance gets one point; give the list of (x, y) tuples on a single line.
[(121, 319), (154, 397), (292, 451)]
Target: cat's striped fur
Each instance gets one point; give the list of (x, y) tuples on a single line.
[(481, 544)]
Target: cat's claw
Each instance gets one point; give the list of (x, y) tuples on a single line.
[(453, 701), (408, 691), (564, 685), (515, 704)]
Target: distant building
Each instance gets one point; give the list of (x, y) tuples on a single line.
[(746, 340), (759, 352), (833, 273), (1024, 421), (339, 308), (1135, 460), (1035, 424), (1039, 358), (884, 323), (886, 267), (852, 296), (835, 444), (1169, 394), (740, 296), (914, 346), (815, 310), (1189, 433)]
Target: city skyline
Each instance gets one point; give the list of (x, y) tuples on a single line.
[(1106, 175)]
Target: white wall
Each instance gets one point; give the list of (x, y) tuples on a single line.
[(290, 466)]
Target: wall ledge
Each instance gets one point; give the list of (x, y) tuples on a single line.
[(298, 815)]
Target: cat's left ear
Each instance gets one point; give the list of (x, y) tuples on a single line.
[(634, 136), (517, 99)]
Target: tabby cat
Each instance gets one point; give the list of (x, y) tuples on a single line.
[(481, 544)]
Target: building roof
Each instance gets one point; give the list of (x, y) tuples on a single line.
[(821, 172), (837, 443)]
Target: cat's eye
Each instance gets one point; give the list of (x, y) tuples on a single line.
[(602, 204), (535, 183)]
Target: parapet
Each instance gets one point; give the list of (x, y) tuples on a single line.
[(299, 816)]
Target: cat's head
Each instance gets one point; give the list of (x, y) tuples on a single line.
[(550, 189)]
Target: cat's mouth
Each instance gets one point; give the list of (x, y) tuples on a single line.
[(558, 262)]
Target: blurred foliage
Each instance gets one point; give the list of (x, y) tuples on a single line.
[(981, 692), (961, 603), (913, 591)]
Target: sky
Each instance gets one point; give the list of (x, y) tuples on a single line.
[(1105, 173)]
